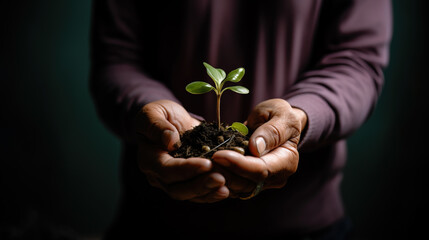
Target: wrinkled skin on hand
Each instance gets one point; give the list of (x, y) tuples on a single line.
[(277, 129), (160, 123)]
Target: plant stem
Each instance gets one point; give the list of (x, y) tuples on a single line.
[(218, 110)]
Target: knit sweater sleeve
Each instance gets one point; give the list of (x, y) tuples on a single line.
[(119, 83), (341, 89)]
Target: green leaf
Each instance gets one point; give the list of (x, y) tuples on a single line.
[(237, 89), (235, 75), (199, 87), (217, 74), (238, 126), (222, 74)]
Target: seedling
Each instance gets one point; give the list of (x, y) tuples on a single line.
[(220, 78)]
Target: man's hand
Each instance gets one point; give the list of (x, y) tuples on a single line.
[(273, 144), (160, 123)]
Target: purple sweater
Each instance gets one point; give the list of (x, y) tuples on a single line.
[(323, 56)]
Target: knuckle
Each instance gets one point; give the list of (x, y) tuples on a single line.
[(145, 112), (149, 107), (288, 166), (294, 167), (294, 127), (262, 175), (292, 160), (265, 174), (276, 134)]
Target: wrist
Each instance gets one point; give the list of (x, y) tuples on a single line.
[(302, 118)]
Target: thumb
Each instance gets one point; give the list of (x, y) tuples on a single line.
[(275, 123), (152, 124), (161, 121), (268, 136)]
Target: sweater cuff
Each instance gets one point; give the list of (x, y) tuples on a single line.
[(320, 119)]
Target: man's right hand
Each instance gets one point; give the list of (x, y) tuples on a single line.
[(160, 123)]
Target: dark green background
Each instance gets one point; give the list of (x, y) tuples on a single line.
[(59, 164)]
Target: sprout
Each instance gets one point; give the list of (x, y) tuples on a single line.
[(238, 126), (220, 78)]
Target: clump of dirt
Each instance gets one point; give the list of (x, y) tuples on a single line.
[(205, 139)]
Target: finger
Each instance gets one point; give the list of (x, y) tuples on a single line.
[(274, 122), (173, 170), (235, 183), (152, 123), (282, 162), (163, 121), (273, 133), (268, 136), (168, 169), (248, 167), (196, 188), (214, 196)]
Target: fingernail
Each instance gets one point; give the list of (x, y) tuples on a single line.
[(222, 192), (260, 145)]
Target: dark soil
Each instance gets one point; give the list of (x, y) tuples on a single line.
[(205, 139)]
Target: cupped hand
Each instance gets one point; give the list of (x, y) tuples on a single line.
[(277, 128), (160, 124)]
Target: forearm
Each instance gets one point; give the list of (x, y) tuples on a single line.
[(341, 88), (118, 84), (336, 103)]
